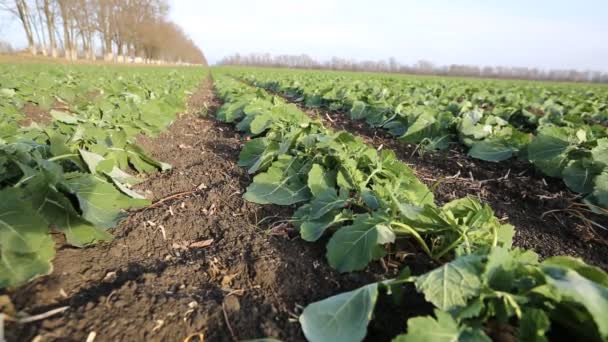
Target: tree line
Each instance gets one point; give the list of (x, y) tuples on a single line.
[(420, 68), (115, 30)]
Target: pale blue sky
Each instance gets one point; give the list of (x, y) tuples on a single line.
[(539, 33)]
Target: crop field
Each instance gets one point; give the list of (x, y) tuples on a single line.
[(228, 203)]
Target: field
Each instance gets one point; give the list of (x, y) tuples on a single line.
[(223, 204)]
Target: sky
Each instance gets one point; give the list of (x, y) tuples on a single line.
[(540, 33)]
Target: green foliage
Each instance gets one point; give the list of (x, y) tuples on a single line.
[(340, 318), (25, 245), (502, 286), (365, 200), (74, 174), (442, 328), (560, 129)]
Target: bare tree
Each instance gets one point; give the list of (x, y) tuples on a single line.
[(420, 68), (49, 14), (138, 28), (22, 11)]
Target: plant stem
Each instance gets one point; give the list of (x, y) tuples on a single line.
[(372, 175), (63, 156), (449, 248), (414, 233)]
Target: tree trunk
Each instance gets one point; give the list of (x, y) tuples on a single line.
[(50, 25), (24, 16), (91, 47), (67, 40)]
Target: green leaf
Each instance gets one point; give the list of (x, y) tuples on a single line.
[(257, 154), (421, 128), (100, 203), (600, 152), (7, 93), (357, 111), (64, 117), (600, 192), (143, 162), (120, 176), (312, 230), (261, 122), (491, 150), (341, 318), (533, 325), (579, 177), (284, 183), (572, 287), (453, 284), (503, 267), (326, 202), (26, 248), (443, 329), (58, 211), (91, 159), (592, 273), (548, 150), (352, 247), (319, 180)]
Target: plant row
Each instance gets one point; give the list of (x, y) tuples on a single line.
[(74, 174), (560, 129), (367, 199)]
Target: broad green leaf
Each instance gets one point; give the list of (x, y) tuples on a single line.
[(58, 211), (592, 273), (319, 180), (441, 329), (257, 154), (261, 122), (352, 247), (573, 288), (100, 203), (326, 202), (503, 267), (421, 128), (579, 177), (533, 325), (600, 152), (142, 161), (284, 183), (128, 191), (491, 150), (341, 318), (26, 248), (63, 117), (91, 159), (357, 111), (600, 192), (119, 175), (7, 93), (451, 286), (312, 230), (548, 151)]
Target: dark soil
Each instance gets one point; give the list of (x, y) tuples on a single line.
[(520, 196), (200, 260), (33, 113)]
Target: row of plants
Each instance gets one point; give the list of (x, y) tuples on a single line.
[(74, 173), (560, 128), (366, 199)]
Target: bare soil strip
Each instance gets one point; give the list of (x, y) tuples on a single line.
[(200, 260), (518, 195)]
